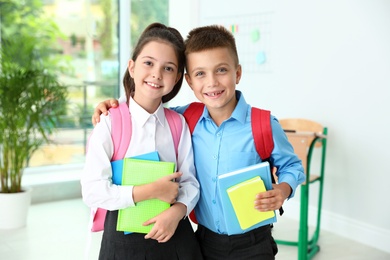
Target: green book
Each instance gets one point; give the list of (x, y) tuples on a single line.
[(138, 172)]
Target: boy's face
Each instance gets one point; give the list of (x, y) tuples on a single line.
[(213, 75)]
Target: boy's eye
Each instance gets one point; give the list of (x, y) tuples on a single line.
[(221, 70)]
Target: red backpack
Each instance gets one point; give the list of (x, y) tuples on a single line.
[(121, 130), (261, 131)]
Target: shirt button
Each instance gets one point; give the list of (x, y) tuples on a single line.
[(215, 157), (214, 179), (213, 201)]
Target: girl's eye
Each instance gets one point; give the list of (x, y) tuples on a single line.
[(148, 63), (169, 69), (199, 73)]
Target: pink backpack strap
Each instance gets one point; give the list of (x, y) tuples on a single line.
[(121, 130), (175, 125)]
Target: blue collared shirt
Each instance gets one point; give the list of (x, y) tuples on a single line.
[(230, 146)]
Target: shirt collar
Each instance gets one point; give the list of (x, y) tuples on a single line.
[(239, 112), (241, 109), (142, 116)]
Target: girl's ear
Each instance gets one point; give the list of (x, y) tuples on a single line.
[(130, 68), (178, 77)]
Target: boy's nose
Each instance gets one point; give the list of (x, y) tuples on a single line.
[(212, 81)]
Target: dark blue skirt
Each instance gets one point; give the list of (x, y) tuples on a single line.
[(117, 245)]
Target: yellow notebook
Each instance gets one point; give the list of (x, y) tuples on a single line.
[(242, 197), (137, 172)]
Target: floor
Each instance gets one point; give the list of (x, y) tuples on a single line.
[(58, 231)]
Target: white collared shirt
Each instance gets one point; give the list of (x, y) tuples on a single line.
[(150, 132)]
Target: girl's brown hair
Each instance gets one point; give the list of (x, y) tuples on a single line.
[(162, 33)]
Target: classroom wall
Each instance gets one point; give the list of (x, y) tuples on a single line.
[(328, 61)]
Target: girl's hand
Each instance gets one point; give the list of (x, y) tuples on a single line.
[(165, 223), (166, 189)]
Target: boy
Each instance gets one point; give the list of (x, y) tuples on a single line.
[(223, 142)]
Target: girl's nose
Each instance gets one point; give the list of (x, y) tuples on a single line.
[(157, 74)]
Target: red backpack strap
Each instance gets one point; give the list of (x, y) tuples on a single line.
[(262, 132), (175, 125), (262, 136), (121, 130), (192, 114)]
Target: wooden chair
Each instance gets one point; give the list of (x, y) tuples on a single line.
[(307, 137)]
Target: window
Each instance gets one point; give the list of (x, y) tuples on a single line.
[(88, 46), (89, 43)]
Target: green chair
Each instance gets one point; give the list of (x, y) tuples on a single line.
[(308, 138)]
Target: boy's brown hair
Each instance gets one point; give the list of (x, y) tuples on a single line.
[(210, 37)]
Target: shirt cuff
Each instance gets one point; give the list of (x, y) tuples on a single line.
[(290, 180), (126, 192)]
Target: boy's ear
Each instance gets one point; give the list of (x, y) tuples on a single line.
[(188, 79), (130, 67), (238, 74)]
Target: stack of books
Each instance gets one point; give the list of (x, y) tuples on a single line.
[(238, 190), (137, 171)]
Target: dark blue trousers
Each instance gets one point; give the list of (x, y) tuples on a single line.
[(255, 244)]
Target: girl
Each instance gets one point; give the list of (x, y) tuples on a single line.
[(154, 76)]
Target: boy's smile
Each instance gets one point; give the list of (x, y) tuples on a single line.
[(212, 75)]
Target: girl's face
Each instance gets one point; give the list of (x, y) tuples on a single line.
[(155, 73)]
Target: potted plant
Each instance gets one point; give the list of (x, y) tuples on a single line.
[(31, 103), (32, 99)]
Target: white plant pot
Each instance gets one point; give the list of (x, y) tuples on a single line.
[(14, 209)]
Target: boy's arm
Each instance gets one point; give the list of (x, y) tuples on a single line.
[(289, 167), (102, 108), (289, 172)]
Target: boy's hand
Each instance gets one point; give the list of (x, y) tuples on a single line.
[(165, 223), (102, 108), (273, 199)]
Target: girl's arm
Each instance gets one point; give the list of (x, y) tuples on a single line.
[(96, 179), (166, 223), (188, 184)]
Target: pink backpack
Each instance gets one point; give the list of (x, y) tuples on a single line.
[(121, 131)]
